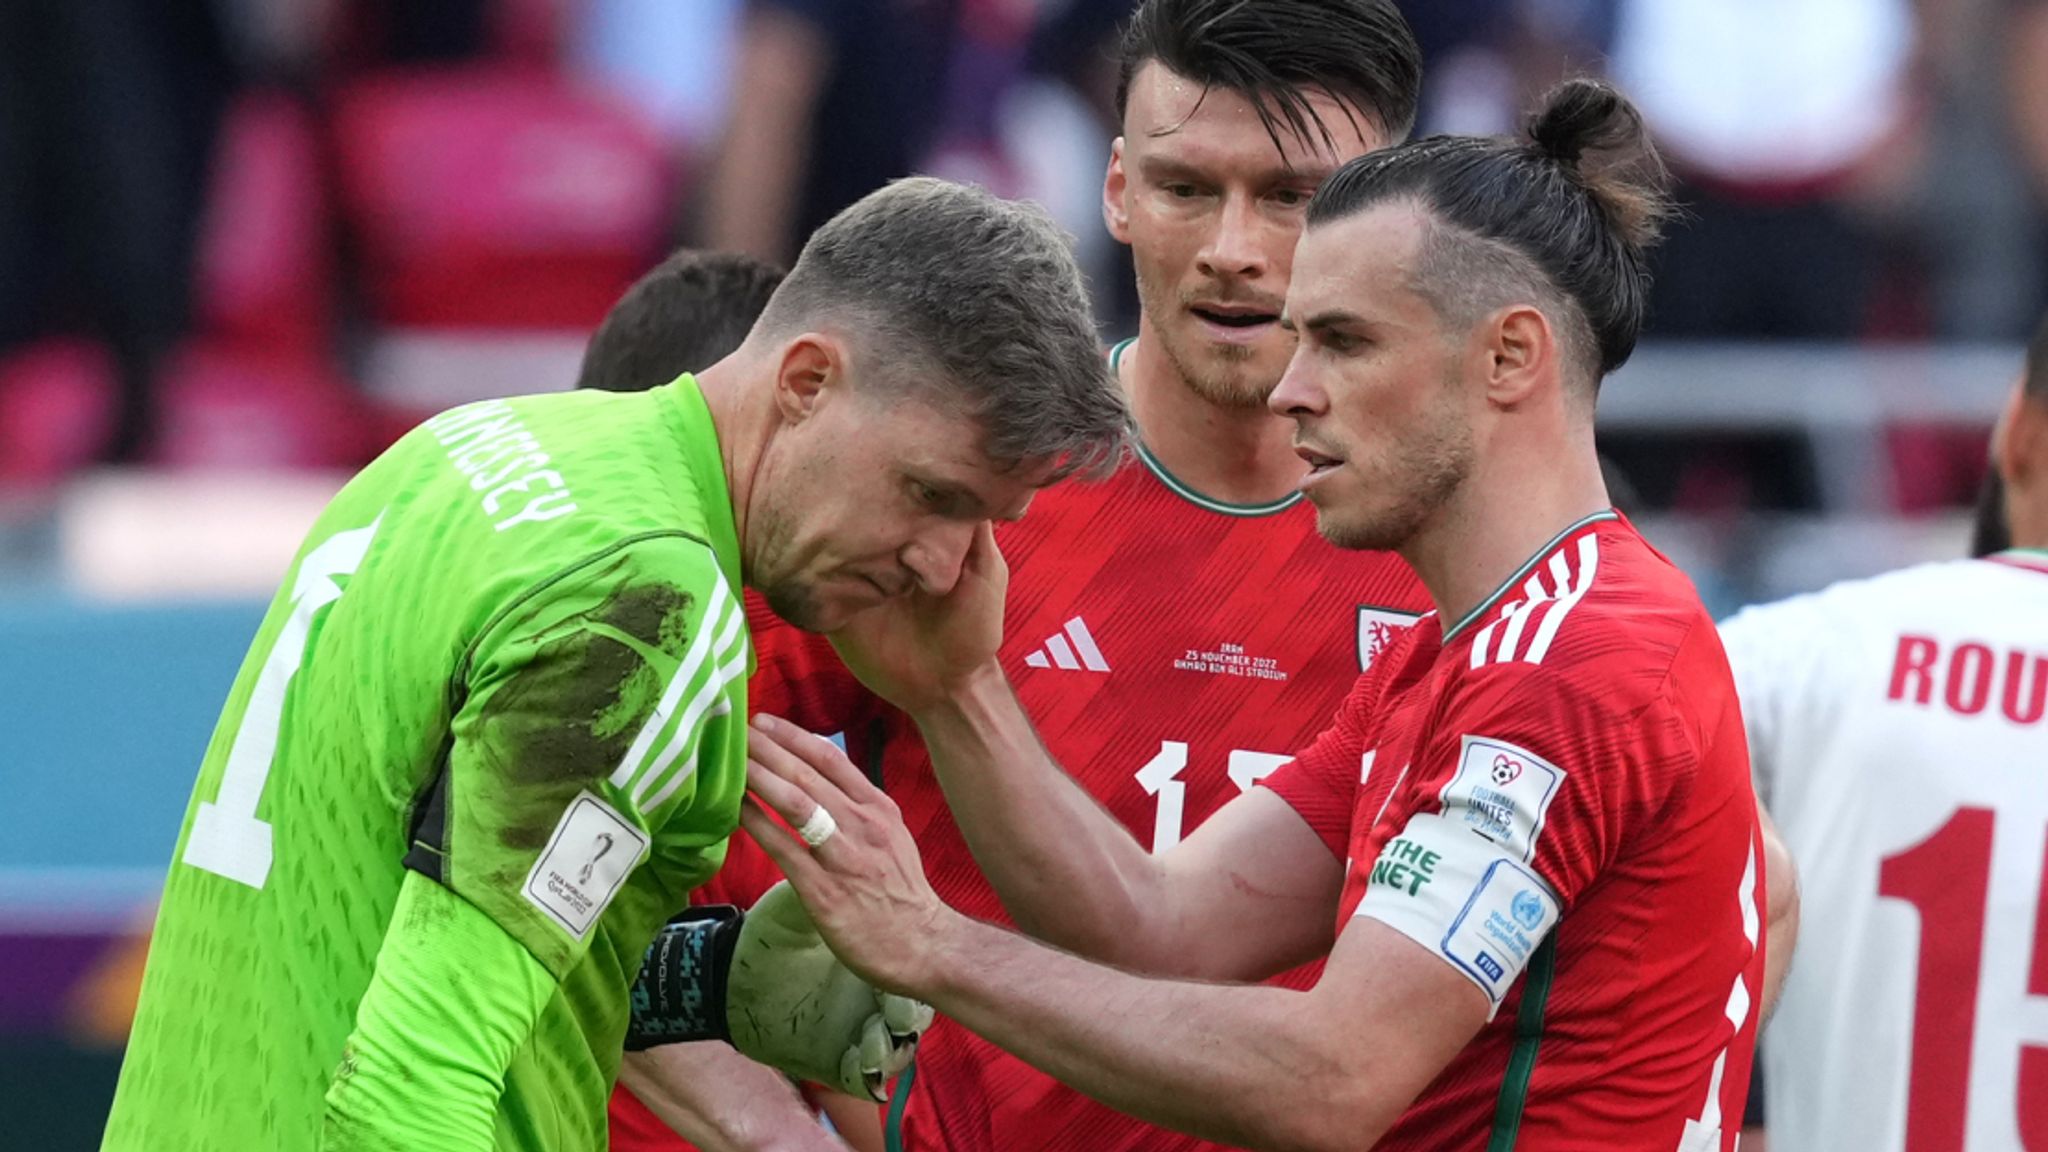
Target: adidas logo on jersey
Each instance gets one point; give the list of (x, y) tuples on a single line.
[(1081, 654)]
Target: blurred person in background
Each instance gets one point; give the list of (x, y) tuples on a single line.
[(830, 99), (1989, 531), (1178, 629), (490, 732), (1485, 60), (1898, 731), (2024, 34), (1779, 117), (691, 311), (108, 113)]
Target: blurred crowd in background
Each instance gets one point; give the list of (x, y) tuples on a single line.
[(244, 244), (272, 232)]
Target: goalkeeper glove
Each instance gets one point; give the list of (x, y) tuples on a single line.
[(765, 981)]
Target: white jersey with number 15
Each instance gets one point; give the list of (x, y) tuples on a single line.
[(1898, 729)]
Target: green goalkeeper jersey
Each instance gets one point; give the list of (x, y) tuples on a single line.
[(510, 658)]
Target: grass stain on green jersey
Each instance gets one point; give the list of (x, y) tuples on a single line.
[(565, 719)]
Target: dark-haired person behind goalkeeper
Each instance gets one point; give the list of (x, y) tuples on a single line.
[(1527, 845)]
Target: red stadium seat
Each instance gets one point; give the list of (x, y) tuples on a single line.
[(224, 407), (265, 276), (56, 407), (495, 199)]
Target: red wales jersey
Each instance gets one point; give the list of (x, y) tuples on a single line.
[(1172, 651), (1553, 796)]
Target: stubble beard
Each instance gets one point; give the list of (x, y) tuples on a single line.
[(795, 604), (1425, 471), (1224, 375), (787, 595)]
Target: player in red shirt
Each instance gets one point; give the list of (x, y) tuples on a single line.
[(1527, 846), (1178, 630)]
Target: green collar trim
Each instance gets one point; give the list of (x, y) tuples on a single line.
[(1116, 354), (899, 1102), (1179, 488), (1174, 484), (1522, 573)]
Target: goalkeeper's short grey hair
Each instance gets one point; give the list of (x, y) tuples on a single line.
[(974, 303)]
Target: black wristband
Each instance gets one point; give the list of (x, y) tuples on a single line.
[(680, 995)]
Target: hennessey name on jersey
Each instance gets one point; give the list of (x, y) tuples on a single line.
[(488, 444)]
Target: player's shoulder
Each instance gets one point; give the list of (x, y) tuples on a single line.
[(1879, 602), (660, 589), (1598, 621)]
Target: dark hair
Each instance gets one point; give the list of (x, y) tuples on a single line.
[(1989, 528), (1567, 213), (689, 313), (1989, 532), (1275, 53), (2035, 383), (973, 302)]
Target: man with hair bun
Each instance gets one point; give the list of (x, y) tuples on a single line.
[(1527, 844), (1175, 630)]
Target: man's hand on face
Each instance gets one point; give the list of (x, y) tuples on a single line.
[(852, 860), (918, 650)]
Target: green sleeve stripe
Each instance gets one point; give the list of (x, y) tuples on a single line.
[(727, 674), (1514, 1086), (632, 765), (730, 664)]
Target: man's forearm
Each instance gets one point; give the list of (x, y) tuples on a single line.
[(723, 1102), (1065, 869), (1248, 1066), (451, 1000), (1781, 929)]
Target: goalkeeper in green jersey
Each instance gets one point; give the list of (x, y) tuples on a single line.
[(492, 730)]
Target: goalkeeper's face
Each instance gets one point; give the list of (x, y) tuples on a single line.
[(869, 498)]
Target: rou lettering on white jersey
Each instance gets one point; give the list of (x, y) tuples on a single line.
[(1898, 736)]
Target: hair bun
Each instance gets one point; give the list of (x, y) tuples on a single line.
[(1588, 128), (1578, 115)]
